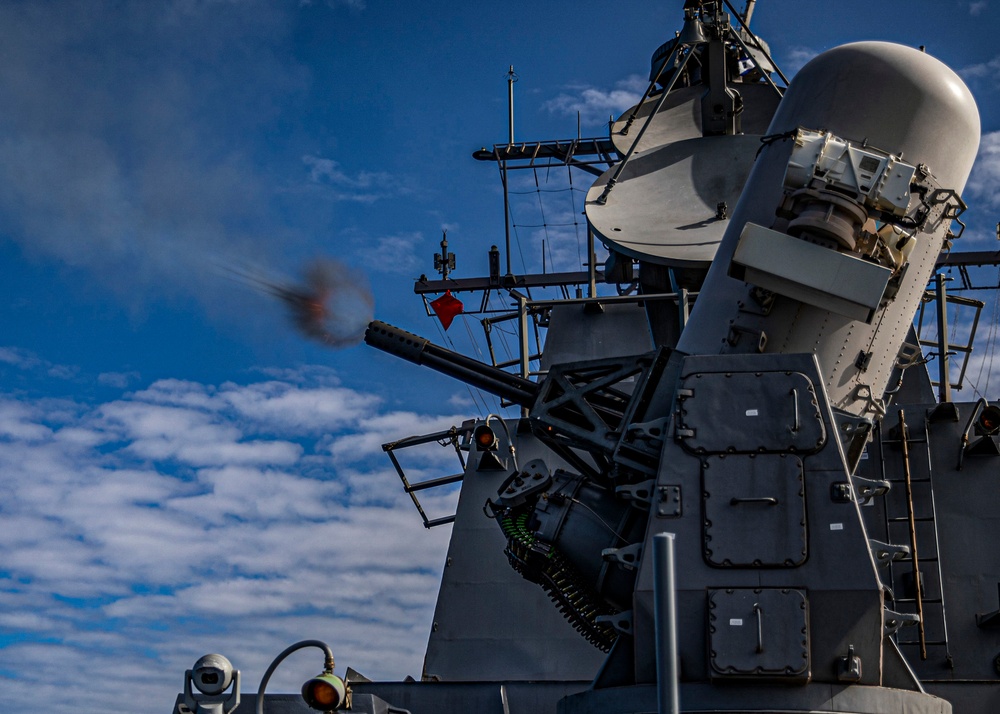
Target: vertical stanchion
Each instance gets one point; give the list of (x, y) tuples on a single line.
[(522, 322), (944, 376), (591, 264), (665, 618), (506, 212)]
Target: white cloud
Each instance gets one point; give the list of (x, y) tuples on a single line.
[(314, 374), (12, 356), (976, 8), (17, 422), (362, 187), (393, 254), (283, 407), (179, 393), (596, 105), (28, 362), (984, 182), (797, 59), (117, 380), (989, 71), (196, 438)]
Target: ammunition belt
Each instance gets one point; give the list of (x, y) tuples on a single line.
[(544, 564)]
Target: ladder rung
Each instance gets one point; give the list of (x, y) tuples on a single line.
[(925, 601), (904, 519)]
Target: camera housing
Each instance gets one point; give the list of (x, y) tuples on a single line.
[(212, 674)]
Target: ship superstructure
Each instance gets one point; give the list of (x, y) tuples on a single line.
[(732, 486)]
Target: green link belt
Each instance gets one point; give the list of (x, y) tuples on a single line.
[(577, 601)]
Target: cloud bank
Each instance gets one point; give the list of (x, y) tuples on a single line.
[(984, 182), (143, 531)]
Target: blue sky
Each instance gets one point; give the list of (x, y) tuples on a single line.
[(181, 471)]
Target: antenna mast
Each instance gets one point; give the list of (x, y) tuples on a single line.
[(511, 78)]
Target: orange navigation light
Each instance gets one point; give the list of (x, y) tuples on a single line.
[(485, 438), (486, 443), (989, 419), (325, 692)]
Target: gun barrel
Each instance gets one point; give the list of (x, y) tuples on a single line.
[(421, 351)]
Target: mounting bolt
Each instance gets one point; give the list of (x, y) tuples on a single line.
[(849, 667)]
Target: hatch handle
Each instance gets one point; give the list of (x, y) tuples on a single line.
[(769, 500), (795, 406), (759, 612)]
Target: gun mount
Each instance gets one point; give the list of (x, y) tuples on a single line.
[(748, 452)]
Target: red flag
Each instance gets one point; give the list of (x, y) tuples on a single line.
[(446, 307)]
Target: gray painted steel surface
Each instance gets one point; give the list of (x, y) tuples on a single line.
[(680, 117), (663, 209)]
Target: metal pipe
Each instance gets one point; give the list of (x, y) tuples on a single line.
[(591, 264), (746, 26), (506, 213), (327, 666), (511, 78), (665, 620), (522, 321), (765, 75), (944, 380), (649, 90)]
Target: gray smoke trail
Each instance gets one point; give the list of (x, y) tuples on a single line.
[(333, 304)]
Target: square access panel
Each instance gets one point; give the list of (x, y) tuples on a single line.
[(754, 511), (759, 632)]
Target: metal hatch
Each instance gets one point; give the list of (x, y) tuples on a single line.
[(760, 632), (730, 412), (754, 511)]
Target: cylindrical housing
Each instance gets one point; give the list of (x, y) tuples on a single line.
[(419, 350), (876, 94), (665, 615)]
